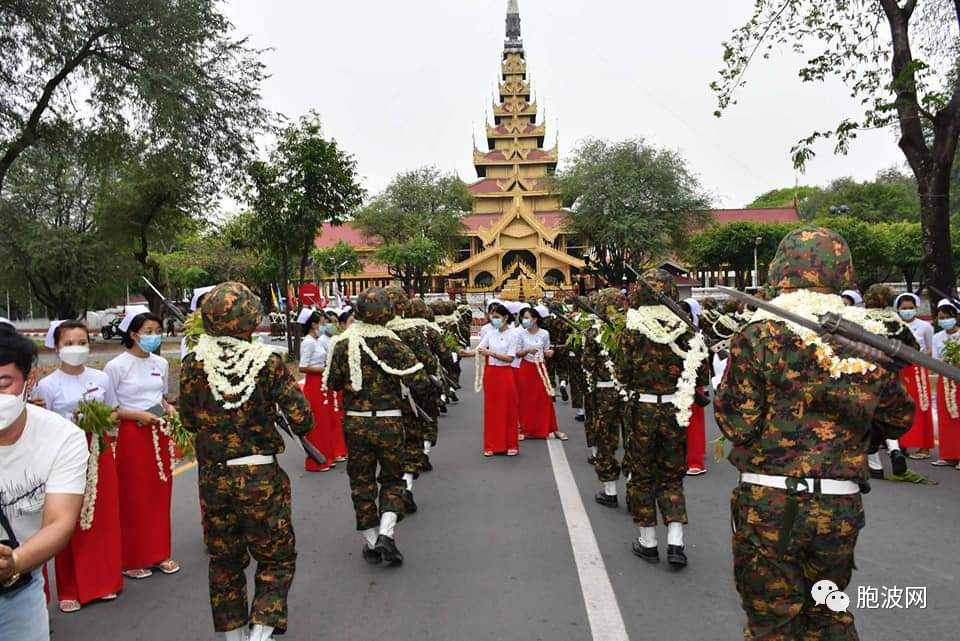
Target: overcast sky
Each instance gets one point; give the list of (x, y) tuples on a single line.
[(402, 84)]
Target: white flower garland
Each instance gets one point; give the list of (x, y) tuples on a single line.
[(403, 324), (950, 397), (923, 387), (165, 428), (542, 371), (88, 509), (356, 336), (225, 358), (478, 374), (813, 305), (658, 324)]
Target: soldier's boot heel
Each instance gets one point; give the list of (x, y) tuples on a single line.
[(388, 550), (372, 555), (606, 500), (650, 555), (409, 505), (676, 556), (898, 462)]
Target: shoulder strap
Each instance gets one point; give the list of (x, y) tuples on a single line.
[(6, 526)]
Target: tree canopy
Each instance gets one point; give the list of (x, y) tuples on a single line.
[(630, 201)]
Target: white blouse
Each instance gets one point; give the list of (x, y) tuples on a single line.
[(138, 383), (313, 352), (940, 342), (923, 332), (506, 342), (540, 340), (62, 392)]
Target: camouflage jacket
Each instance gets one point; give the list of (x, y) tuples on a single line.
[(438, 347), (645, 367), (594, 363), (786, 416), (381, 391), (250, 429)]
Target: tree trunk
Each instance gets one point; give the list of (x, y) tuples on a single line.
[(285, 275), (935, 219)]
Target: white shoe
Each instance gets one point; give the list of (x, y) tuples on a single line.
[(240, 634), (261, 633)]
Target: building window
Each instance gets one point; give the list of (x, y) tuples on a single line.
[(483, 279), (554, 278), (575, 246)]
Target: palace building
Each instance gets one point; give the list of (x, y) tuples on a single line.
[(515, 241)]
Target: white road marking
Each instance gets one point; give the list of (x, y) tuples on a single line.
[(603, 611)]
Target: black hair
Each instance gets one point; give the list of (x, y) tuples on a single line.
[(344, 316), (533, 312), (331, 316), (849, 298), (138, 321), (17, 349), (950, 310), (314, 319), (686, 307), (64, 326), (904, 299), (500, 308)]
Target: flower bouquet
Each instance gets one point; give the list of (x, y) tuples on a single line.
[(97, 419)]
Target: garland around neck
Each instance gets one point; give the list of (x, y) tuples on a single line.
[(401, 324), (813, 305), (356, 336), (226, 359)]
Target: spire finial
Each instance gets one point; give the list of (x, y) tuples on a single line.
[(513, 42)]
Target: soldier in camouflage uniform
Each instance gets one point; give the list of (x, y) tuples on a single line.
[(244, 494), (799, 440), (373, 421), (657, 443), (441, 367), (609, 406), (414, 421)]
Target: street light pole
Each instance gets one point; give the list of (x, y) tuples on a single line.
[(756, 268)]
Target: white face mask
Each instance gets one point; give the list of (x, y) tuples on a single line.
[(11, 407), (75, 355)]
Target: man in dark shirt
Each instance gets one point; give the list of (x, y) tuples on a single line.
[(799, 410), (244, 494)]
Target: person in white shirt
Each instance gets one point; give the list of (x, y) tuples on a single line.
[(90, 567), (313, 359), (851, 298), (948, 420), (43, 468), (139, 379), (498, 349), (917, 379), (537, 416), (198, 295)]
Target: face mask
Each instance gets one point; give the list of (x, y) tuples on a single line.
[(149, 344), (908, 314), (11, 407), (527, 323), (75, 355), (328, 330), (496, 322), (947, 323)]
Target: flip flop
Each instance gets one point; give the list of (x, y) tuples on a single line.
[(916, 456), (169, 567), (488, 453), (512, 452), (942, 463), (142, 573), (69, 606)]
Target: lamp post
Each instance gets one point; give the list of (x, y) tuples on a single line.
[(337, 282), (756, 268)]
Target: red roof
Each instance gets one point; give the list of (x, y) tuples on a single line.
[(772, 215), (552, 219), (486, 186), (473, 222), (330, 235)]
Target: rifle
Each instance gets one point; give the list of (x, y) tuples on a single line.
[(284, 426), (579, 301), (666, 301), (171, 307), (888, 352)]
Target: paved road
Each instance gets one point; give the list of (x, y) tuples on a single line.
[(489, 557)]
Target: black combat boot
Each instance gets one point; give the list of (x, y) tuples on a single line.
[(387, 548), (899, 463), (676, 557), (426, 465), (651, 555), (608, 500), (409, 505), (371, 555)]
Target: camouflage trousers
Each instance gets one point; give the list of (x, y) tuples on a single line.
[(247, 511), (775, 568), (607, 420), (657, 449), (371, 443), (577, 389)]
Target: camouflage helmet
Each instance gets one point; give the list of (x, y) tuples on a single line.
[(398, 300), (812, 257), (878, 296), (231, 309), (659, 279), (373, 306), (609, 297), (420, 309)]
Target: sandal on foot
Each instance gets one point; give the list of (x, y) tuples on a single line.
[(109, 597), (561, 435), (512, 452), (141, 573), (918, 456), (68, 606), (169, 566), (942, 463), (487, 453)]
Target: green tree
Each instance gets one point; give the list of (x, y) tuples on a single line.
[(307, 181), (632, 202), (336, 260), (730, 247), (871, 246), (417, 220), (907, 252), (899, 60), (785, 197), (172, 68), (891, 197)]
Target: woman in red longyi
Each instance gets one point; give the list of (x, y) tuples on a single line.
[(537, 417), (313, 360)]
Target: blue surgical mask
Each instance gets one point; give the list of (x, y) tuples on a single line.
[(150, 344), (496, 322), (527, 323), (328, 329), (947, 323), (908, 314)]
